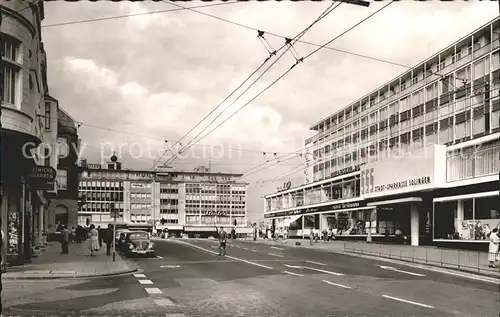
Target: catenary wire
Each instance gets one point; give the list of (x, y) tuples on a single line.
[(79, 123), (135, 14), (324, 14), (292, 67), (271, 54)]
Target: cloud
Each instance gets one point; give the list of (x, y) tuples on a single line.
[(150, 78)]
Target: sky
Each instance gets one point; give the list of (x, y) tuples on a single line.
[(138, 84)]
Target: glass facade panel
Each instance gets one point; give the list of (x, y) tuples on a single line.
[(466, 219)]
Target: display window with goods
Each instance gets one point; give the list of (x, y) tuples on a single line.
[(467, 219)]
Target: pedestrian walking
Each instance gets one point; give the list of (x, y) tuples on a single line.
[(64, 240), (94, 240), (222, 242)]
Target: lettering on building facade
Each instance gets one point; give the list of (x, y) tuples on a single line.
[(94, 166), (402, 184), (346, 170), (285, 186), (307, 211)]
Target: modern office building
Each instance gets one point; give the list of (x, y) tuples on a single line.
[(192, 202), (419, 154)]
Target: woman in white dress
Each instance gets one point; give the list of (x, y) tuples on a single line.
[(94, 240), (493, 248)]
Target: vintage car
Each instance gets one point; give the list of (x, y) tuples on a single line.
[(137, 243)]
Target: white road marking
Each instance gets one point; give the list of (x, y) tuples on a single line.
[(278, 255), (170, 266), (276, 248), (227, 256), (139, 275), (159, 257), (147, 282), (390, 268), (291, 273), (314, 269), (163, 302), (407, 301), (245, 248), (335, 284), (254, 250), (154, 290), (249, 262), (317, 263)]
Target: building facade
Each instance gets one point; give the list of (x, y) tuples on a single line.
[(24, 85), (419, 154), (192, 202), (63, 209)]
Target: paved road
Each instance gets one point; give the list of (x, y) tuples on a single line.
[(188, 278)]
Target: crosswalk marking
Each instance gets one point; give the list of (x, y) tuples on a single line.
[(139, 275), (154, 290), (146, 282), (163, 302), (278, 255)]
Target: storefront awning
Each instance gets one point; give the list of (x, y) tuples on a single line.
[(287, 221)]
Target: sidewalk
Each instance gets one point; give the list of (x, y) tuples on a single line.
[(51, 264), (456, 260)]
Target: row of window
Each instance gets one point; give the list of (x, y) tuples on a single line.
[(103, 196), (101, 185), (140, 206), (414, 78), (341, 189), (169, 190), (213, 220), (140, 195), (414, 118)]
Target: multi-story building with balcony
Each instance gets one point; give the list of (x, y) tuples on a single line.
[(64, 149), (24, 85), (192, 202), (419, 154)]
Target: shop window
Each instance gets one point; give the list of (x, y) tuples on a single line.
[(466, 219)]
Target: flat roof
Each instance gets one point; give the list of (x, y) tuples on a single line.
[(406, 72)]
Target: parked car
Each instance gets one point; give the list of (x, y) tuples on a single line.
[(137, 243)]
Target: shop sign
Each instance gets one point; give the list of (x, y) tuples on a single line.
[(406, 183), (137, 185), (333, 207), (43, 177), (217, 213), (346, 170), (94, 166), (285, 186)]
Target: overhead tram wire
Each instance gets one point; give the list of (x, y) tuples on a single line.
[(323, 14), (137, 14), (258, 170), (437, 74), (279, 177), (293, 66), (271, 54), (288, 45)]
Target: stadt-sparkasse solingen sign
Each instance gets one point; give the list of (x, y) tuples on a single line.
[(402, 184), (305, 211)]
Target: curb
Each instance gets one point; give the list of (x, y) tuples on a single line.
[(73, 277), (427, 267)]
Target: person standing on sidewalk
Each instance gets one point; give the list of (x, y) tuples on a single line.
[(108, 238), (64, 240), (94, 240), (222, 242), (493, 247)]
